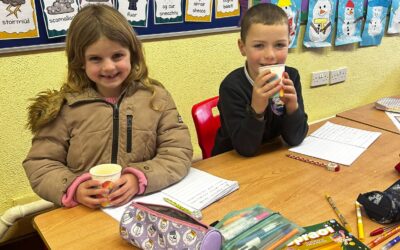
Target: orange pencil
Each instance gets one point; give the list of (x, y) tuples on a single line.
[(235, 217), (283, 239), (384, 237)]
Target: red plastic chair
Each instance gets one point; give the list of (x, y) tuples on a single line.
[(206, 124)]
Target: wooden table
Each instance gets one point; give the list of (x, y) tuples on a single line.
[(294, 188), (369, 115)]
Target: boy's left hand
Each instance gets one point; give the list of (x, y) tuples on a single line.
[(128, 186), (290, 95)]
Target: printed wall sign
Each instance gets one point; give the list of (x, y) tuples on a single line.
[(18, 19), (198, 10), (136, 11), (167, 11), (85, 2), (227, 8), (58, 15)]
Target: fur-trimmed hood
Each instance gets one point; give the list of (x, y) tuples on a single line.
[(44, 109)]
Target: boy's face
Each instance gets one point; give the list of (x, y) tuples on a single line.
[(265, 45)]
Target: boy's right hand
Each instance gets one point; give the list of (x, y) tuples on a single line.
[(263, 89), (87, 191)]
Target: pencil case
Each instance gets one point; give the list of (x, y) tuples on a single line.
[(152, 227), (257, 227), (382, 207)]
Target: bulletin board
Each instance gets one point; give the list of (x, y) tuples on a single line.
[(152, 31)]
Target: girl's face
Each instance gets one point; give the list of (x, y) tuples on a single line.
[(265, 45), (107, 64)]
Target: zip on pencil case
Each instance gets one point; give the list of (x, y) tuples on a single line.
[(153, 227)]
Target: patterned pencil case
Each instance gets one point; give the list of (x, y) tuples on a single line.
[(152, 227), (382, 207)]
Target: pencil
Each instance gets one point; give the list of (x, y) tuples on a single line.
[(338, 213), (283, 239), (196, 213), (360, 225), (384, 237)]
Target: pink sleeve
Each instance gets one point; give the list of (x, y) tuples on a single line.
[(140, 176), (68, 198)]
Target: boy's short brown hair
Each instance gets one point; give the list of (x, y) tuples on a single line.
[(264, 13)]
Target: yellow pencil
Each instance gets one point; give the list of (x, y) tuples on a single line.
[(338, 213), (360, 225), (196, 213)]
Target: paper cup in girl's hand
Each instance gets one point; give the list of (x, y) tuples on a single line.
[(278, 69), (106, 174)]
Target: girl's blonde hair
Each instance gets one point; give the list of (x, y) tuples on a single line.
[(90, 24)]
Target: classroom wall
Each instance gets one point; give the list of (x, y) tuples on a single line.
[(191, 68)]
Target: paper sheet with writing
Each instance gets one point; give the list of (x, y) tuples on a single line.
[(197, 190), (395, 117), (336, 143)]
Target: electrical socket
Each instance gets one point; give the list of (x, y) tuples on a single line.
[(338, 75), (320, 78)]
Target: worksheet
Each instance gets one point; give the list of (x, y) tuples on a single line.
[(336, 143)]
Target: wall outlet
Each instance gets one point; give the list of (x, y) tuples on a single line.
[(338, 75), (320, 78)]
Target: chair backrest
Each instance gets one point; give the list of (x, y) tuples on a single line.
[(206, 124)]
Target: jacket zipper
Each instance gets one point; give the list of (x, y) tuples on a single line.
[(129, 133), (115, 135)]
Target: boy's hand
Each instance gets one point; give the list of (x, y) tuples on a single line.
[(87, 192), (126, 187), (263, 90), (290, 95)]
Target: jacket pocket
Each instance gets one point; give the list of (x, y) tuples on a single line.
[(129, 121)]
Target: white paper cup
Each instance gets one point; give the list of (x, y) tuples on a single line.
[(106, 174), (278, 69)]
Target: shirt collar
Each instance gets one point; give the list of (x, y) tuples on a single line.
[(247, 74)]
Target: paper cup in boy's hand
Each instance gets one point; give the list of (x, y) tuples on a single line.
[(277, 69), (106, 174)]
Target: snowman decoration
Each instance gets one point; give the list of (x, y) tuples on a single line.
[(349, 22), (290, 11), (321, 25), (395, 24), (375, 24)]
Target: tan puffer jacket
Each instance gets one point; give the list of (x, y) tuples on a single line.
[(73, 133)]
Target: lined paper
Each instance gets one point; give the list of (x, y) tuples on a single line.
[(336, 143), (395, 117), (197, 190)]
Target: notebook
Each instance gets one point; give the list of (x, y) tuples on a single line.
[(327, 235), (196, 191), (336, 143), (391, 104)]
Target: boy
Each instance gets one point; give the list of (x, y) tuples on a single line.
[(249, 117)]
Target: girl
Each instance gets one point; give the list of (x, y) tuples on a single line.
[(109, 110)]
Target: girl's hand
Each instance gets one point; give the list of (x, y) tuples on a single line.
[(263, 89), (87, 192), (290, 95), (126, 188)]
